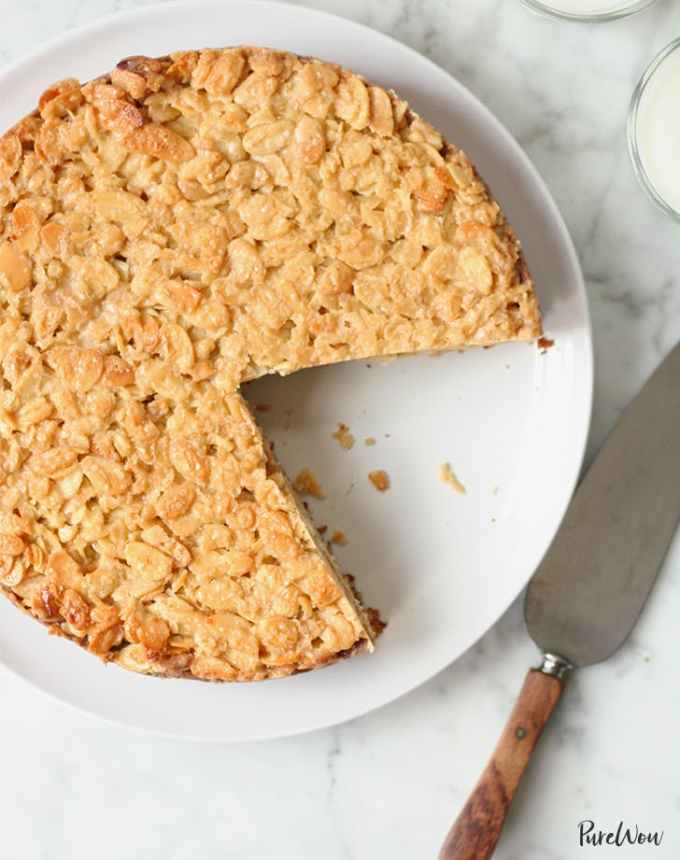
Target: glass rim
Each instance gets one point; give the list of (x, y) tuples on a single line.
[(624, 10), (631, 128)]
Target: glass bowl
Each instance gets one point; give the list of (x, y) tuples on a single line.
[(636, 122), (619, 10)]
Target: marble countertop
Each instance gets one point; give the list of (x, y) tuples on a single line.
[(389, 784)]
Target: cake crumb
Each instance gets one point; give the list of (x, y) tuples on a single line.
[(343, 436), (263, 407), (322, 530), (340, 538), (447, 476), (375, 621), (370, 440), (306, 484), (544, 343), (380, 480)]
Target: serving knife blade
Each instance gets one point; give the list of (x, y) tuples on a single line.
[(589, 591)]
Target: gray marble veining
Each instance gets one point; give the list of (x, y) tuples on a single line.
[(389, 784)]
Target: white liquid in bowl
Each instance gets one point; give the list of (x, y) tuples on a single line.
[(658, 130), (587, 7)]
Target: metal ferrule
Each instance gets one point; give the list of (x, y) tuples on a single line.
[(555, 665)]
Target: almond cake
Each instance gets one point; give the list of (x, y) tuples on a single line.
[(167, 233)]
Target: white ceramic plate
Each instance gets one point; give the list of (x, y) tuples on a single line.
[(512, 422)]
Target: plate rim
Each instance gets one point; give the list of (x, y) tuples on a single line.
[(100, 25)]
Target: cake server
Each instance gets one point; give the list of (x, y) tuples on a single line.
[(588, 593)]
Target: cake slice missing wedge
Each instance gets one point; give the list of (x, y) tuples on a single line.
[(166, 234)]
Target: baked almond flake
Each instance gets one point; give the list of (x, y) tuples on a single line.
[(447, 476), (343, 437), (306, 484), (339, 538), (380, 480), (167, 233)]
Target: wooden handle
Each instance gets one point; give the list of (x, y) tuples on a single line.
[(477, 829)]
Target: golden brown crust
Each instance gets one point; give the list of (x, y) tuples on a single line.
[(166, 233), (372, 618)]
